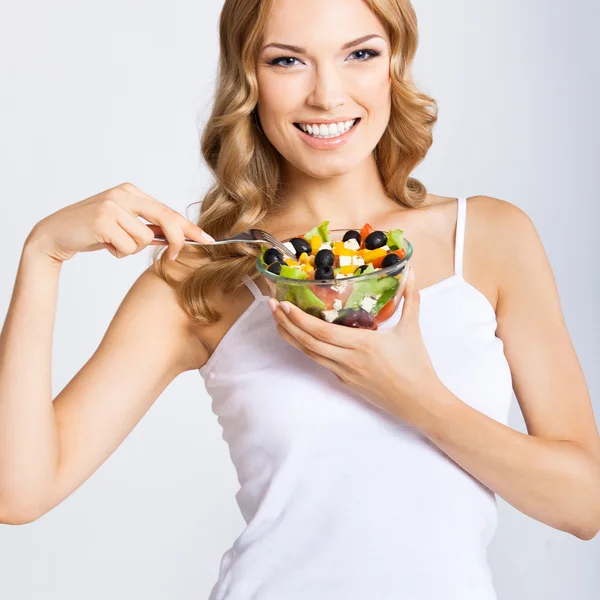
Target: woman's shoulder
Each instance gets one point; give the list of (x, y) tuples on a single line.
[(498, 224), (182, 333), (231, 303), (497, 233)]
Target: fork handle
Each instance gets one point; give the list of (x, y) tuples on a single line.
[(162, 238)]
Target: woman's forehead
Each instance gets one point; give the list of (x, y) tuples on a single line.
[(317, 21)]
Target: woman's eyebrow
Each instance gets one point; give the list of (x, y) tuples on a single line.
[(300, 50)]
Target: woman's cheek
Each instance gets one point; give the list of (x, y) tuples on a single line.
[(278, 100)]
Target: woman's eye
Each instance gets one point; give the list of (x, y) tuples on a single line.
[(290, 61), (364, 55), (283, 61)]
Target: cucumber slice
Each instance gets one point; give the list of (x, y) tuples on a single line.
[(306, 300), (292, 272), (388, 287), (360, 289)]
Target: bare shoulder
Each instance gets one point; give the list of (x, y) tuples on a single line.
[(502, 230), (489, 209), (184, 341), (497, 233)]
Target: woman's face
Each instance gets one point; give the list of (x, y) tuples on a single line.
[(316, 65)]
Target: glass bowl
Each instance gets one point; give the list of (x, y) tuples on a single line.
[(363, 301)]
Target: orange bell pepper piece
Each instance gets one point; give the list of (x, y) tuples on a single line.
[(373, 255)]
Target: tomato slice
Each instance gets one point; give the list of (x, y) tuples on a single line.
[(364, 232), (327, 295), (388, 309)]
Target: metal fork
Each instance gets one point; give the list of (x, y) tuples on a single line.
[(251, 236)]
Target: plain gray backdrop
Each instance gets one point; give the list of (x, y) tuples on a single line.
[(95, 94)]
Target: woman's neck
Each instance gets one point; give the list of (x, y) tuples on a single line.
[(348, 200)]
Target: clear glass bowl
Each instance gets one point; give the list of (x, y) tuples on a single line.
[(317, 297)]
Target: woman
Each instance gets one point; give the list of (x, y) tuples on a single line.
[(368, 460)]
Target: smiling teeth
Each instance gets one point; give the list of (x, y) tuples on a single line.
[(332, 130)]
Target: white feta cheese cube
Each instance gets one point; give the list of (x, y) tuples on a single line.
[(325, 246), (337, 304), (330, 315), (352, 244), (367, 303), (338, 286), (290, 246), (345, 261), (386, 248), (357, 260)]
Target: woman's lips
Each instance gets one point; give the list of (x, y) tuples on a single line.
[(328, 143)]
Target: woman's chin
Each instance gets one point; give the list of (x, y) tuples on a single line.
[(323, 168)]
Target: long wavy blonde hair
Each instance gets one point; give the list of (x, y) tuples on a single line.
[(246, 167)]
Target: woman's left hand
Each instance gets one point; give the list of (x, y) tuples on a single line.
[(389, 368)]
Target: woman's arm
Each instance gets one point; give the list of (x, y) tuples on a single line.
[(552, 473), (48, 448)]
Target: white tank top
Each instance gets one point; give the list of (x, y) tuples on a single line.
[(341, 500)]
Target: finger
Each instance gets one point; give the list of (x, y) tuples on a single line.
[(139, 232), (120, 240), (156, 212), (307, 340), (169, 221), (331, 333), (110, 248), (412, 299), (328, 363), (156, 230)]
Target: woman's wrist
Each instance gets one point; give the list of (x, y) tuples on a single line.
[(34, 250)]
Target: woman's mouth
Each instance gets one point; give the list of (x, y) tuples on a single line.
[(327, 130), (327, 136)]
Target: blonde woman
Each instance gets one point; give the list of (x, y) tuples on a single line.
[(368, 461)]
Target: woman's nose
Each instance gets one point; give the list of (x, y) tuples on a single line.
[(327, 92)]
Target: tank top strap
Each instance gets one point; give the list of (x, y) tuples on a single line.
[(252, 287), (460, 236)]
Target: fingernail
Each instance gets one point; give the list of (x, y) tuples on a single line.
[(208, 238), (285, 306), (272, 304), (174, 257)]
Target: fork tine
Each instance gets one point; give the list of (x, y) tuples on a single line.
[(266, 236)]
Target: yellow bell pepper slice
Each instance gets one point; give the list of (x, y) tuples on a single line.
[(315, 243), (371, 255), (348, 269), (290, 262), (340, 250)]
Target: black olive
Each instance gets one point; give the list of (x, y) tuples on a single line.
[(352, 317), (272, 255), (300, 246), (360, 269), (375, 239), (275, 268), (324, 273), (324, 258), (352, 234), (389, 260)]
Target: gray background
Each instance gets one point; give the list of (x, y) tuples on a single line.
[(95, 94)]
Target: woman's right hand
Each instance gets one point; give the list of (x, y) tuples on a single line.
[(109, 220)]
